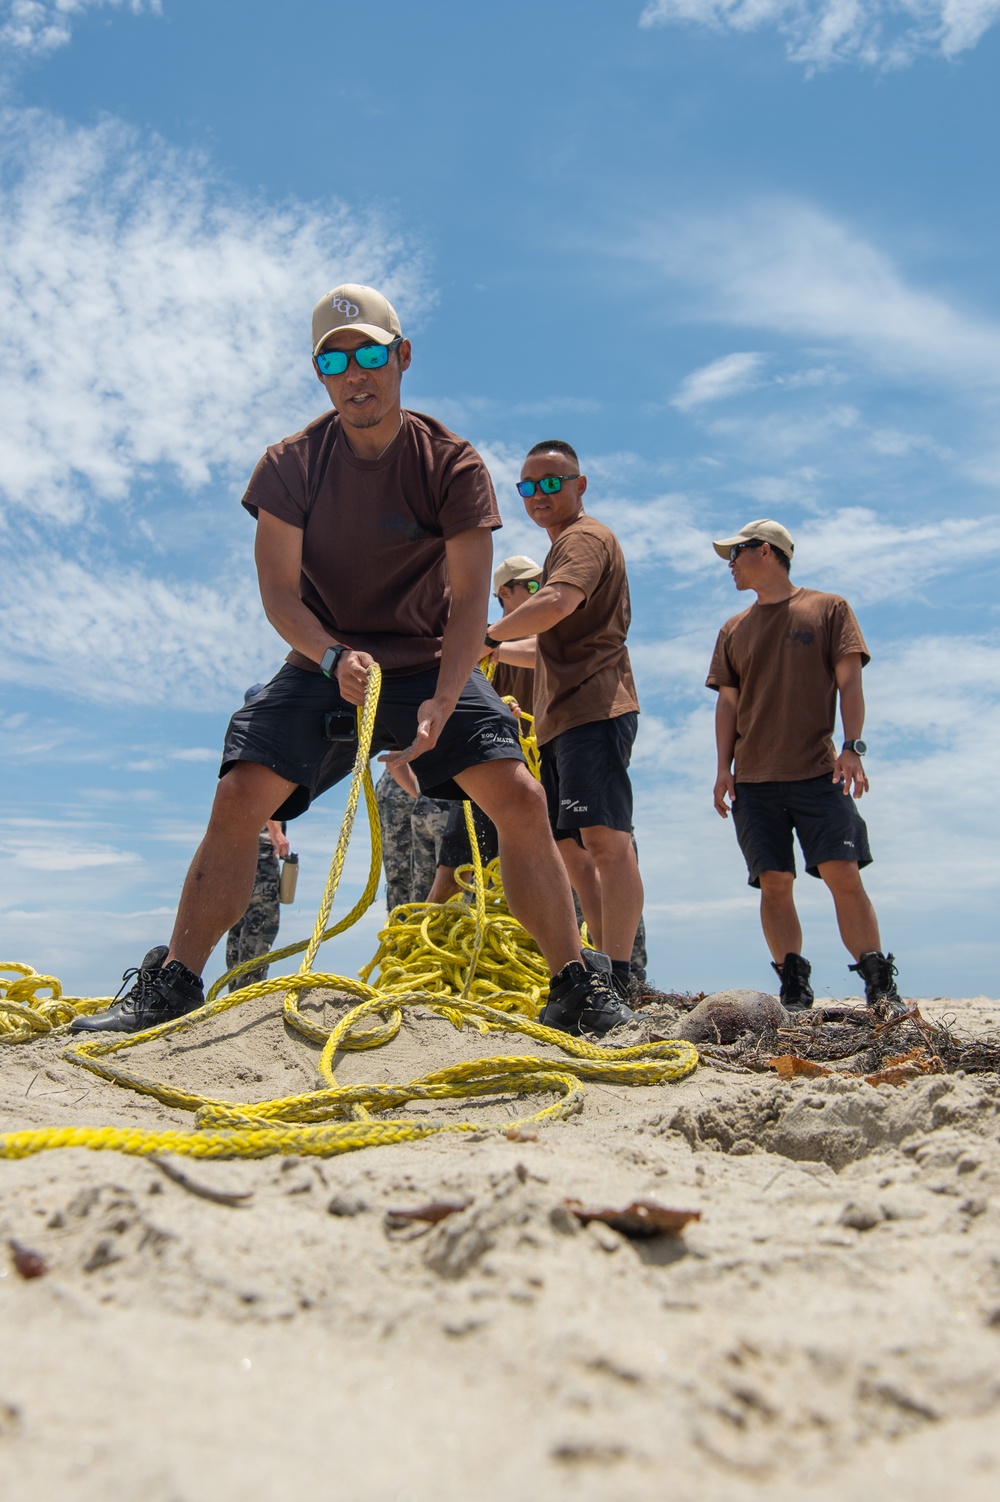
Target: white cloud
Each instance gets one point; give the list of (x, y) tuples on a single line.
[(154, 334), (875, 33), (883, 559), (132, 639), (784, 266), (728, 376), (40, 26), (150, 318)]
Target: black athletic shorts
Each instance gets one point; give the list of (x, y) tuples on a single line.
[(828, 825), (585, 776), (455, 847), (284, 728)]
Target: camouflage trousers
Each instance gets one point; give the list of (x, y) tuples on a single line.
[(257, 930), (412, 831)]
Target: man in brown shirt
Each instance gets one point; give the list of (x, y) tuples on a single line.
[(585, 708), (373, 545), (778, 668)]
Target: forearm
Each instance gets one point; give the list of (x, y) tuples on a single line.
[(544, 610), (461, 645), (518, 654), (852, 709), (725, 733), (296, 624)]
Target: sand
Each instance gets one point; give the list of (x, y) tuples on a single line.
[(829, 1328)]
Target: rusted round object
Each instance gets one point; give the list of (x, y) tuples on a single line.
[(722, 1017)]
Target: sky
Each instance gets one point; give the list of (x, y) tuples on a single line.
[(741, 255)]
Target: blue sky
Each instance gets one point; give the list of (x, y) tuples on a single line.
[(743, 256)]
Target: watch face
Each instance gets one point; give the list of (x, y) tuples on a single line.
[(860, 747)]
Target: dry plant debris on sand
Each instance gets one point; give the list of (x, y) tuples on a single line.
[(435, 1321)]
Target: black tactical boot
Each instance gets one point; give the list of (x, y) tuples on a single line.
[(796, 993), (159, 994), (878, 972), (582, 998)]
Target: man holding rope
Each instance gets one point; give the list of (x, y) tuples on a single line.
[(373, 546)]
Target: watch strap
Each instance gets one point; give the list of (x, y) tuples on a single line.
[(329, 660)]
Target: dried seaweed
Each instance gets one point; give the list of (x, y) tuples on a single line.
[(639, 1220), (858, 1043)]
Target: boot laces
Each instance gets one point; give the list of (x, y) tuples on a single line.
[(143, 983)]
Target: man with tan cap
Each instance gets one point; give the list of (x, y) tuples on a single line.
[(778, 668), (373, 545)]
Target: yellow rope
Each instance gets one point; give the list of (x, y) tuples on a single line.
[(474, 965)]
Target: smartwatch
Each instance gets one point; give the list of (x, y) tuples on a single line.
[(491, 642), (858, 747), (328, 662)]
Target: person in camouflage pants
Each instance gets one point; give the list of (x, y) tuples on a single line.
[(257, 930), (412, 830)]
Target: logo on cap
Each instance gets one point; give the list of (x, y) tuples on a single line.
[(345, 306)]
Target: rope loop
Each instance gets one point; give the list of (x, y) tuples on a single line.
[(468, 961)]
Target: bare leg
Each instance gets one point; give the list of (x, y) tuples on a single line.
[(855, 914), (778, 917), (621, 887), (586, 883), (444, 885), (534, 877), (220, 880)]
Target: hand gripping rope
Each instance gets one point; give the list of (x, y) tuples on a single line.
[(474, 965)]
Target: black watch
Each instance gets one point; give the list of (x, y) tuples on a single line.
[(328, 662), (858, 747), (491, 642)]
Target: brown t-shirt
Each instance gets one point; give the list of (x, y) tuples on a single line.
[(374, 530), (782, 658), (519, 683), (582, 669)]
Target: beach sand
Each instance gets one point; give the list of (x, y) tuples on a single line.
[(829, 1328)]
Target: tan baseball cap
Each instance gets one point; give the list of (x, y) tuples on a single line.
[(513, 570), (762, 531), (354, 307)]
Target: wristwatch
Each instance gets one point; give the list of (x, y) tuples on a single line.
[(858, 747), (328, 662), (491, 642)]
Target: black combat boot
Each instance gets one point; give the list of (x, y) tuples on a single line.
[(796, 993), (583, 999), (159, 994), (878, 972)]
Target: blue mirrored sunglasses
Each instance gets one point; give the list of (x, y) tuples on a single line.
[(369, 357), (548, 485)]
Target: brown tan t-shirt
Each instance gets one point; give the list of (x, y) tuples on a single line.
[(374, 530), (582, 668), (517, 683), (782, 658)]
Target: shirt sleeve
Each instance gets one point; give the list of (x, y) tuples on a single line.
[(580, 560), (845, 635), (468, 499), (278, 490), (721, 673)]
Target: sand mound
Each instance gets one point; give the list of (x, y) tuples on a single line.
[(830, 1328)]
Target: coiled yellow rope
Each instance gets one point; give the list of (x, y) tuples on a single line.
[(472, 965)]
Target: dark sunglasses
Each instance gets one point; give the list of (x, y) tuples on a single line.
[(757, 543), (548, 485), (369, 357)]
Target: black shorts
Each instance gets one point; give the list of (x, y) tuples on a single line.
[(828, 825), (585, 776), (284, 728), (455, 847)]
